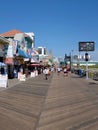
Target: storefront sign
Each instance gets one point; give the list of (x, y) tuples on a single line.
[(21, 77), (3, 80)]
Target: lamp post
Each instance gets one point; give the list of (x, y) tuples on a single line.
[(86, 59), (71, 60), (79, 57)]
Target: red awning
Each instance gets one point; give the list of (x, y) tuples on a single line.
[(34, 64)]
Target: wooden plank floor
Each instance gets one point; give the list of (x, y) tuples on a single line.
[(60, 103), (20, 106), (71, 104)]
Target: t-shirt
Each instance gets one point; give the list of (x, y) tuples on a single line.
[(46, 71), (65, 70), (59, 69)]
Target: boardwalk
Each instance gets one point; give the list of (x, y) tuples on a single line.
[(60, 103), (21, 106)]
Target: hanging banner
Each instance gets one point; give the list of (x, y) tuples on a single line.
[(9, 50), (14, 47)]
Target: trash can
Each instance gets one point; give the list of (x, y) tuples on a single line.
[(80, 72)]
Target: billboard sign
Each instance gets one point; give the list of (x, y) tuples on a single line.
[(86, 46)]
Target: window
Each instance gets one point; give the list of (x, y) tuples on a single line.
[(45, 52), (40, 50)]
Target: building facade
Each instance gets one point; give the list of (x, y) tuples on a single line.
[(19, 48)]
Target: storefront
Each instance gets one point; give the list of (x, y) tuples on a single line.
[(18, 49), (15, 61)]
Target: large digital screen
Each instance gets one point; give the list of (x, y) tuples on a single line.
[(86, 46)]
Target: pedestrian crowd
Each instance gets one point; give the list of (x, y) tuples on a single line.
[(59, 70)]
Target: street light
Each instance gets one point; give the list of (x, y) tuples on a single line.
[(71, 59)]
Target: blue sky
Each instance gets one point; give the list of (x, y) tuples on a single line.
[(58, 25)]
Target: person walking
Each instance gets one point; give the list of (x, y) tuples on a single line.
[(46, 72), (58, 70), (65, 71)]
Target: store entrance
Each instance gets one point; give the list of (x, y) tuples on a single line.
[(1, 59)]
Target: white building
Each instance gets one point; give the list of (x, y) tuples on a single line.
[(42, 51), (43, 55), (32, 36)]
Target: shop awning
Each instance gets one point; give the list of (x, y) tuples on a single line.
[(34, 64), (23, 54), (33, 60)]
